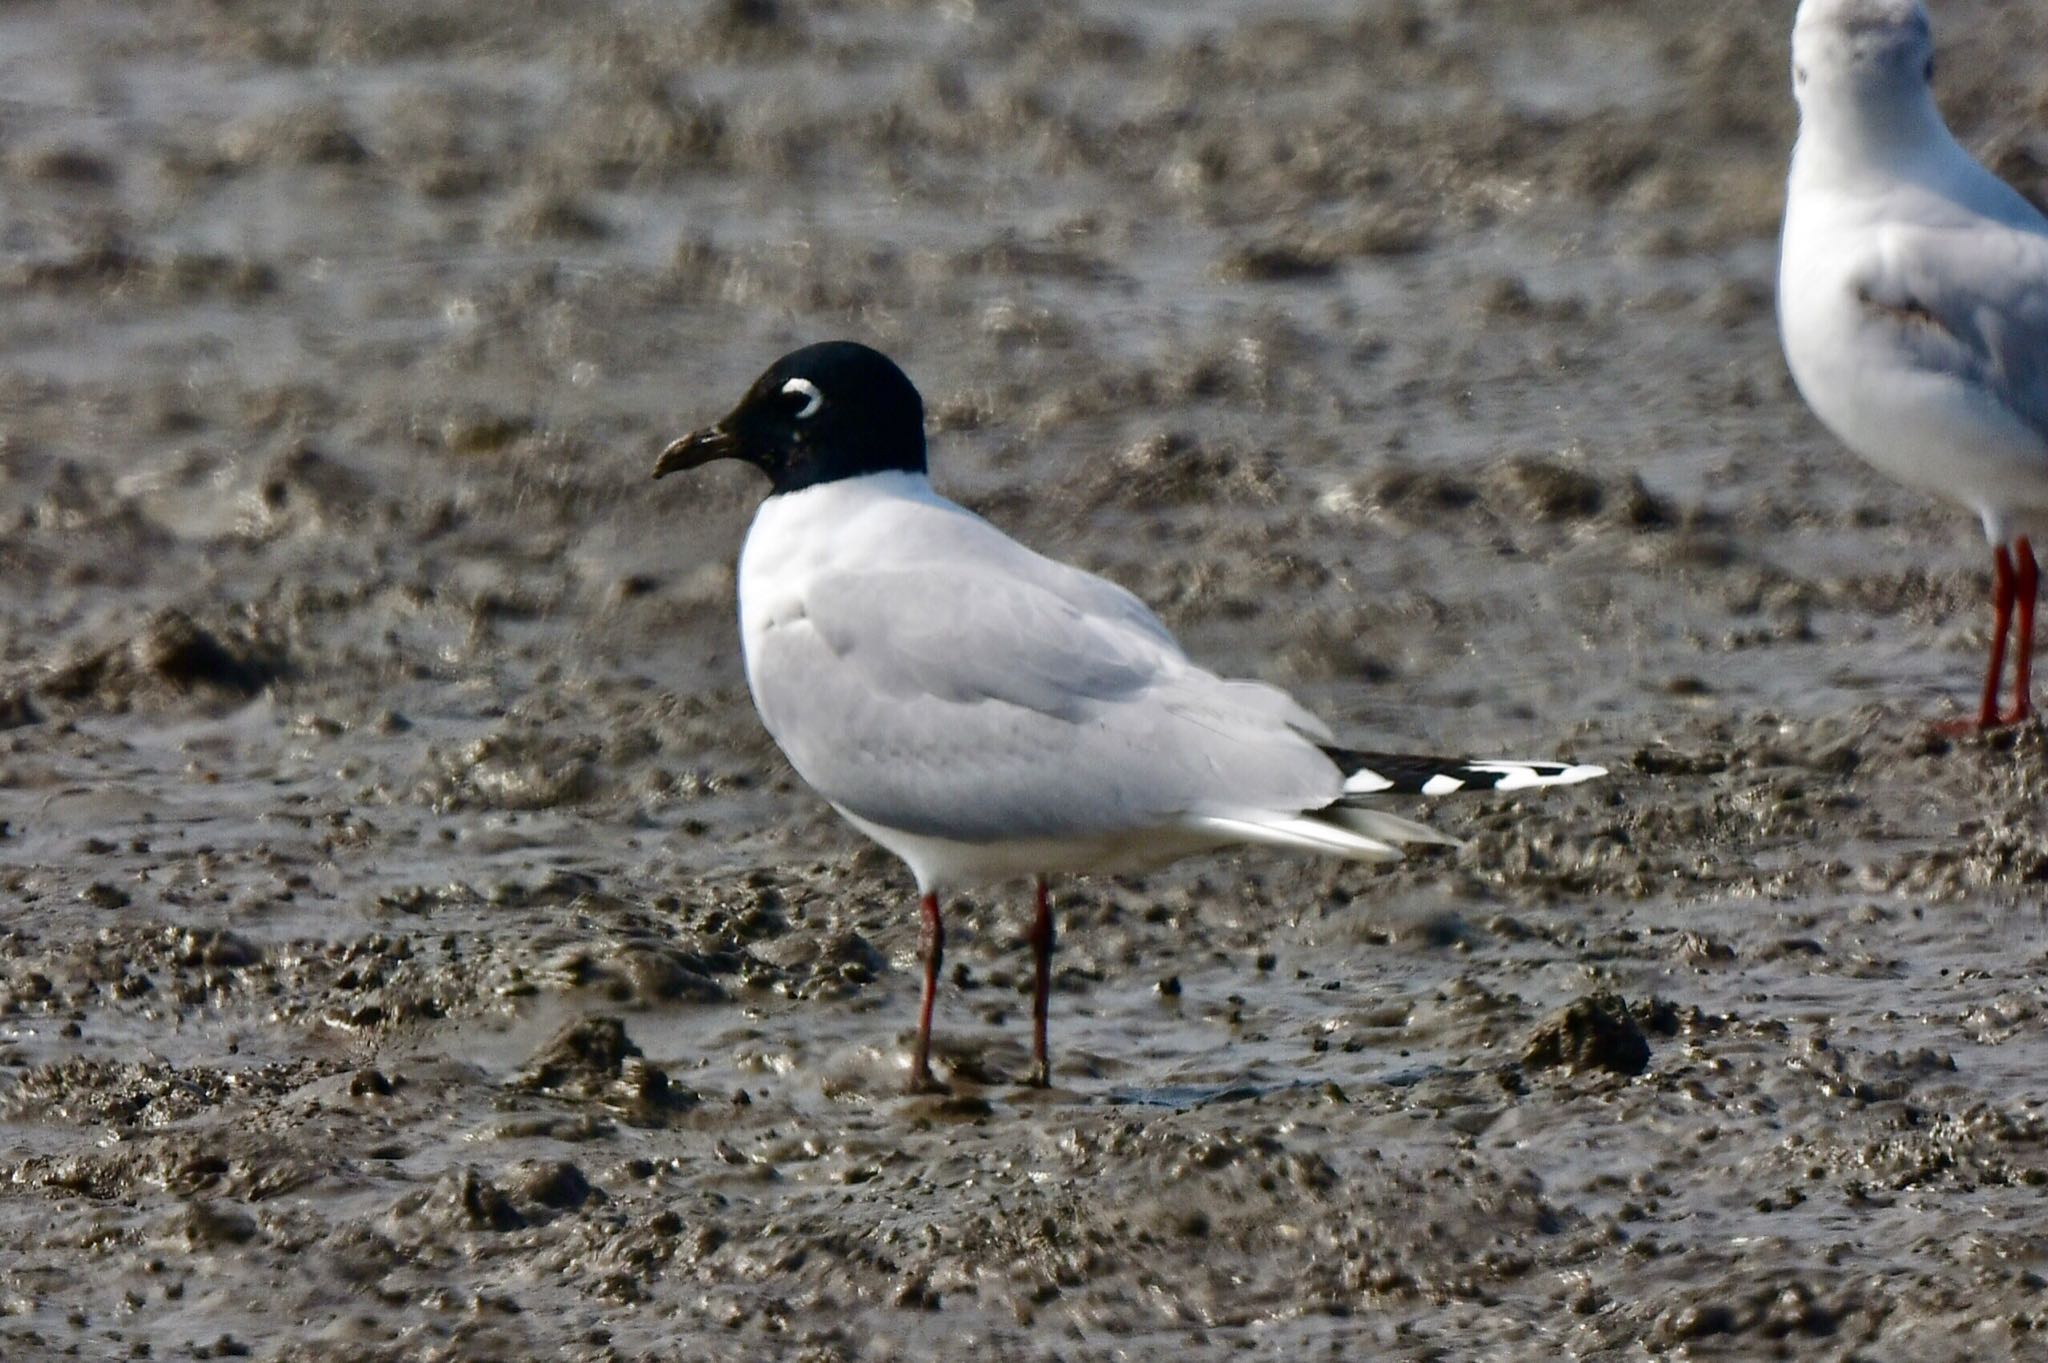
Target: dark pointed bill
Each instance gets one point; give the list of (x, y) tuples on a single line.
[(695, 449)]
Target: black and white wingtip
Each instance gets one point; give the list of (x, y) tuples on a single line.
[(1378, 773), (1350, 827)]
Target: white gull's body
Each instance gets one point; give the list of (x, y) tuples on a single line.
[(1913, 283), (986, 712)]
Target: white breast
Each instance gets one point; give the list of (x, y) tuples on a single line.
[(1858, 368)]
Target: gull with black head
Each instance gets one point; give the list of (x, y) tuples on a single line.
[(987, 713)]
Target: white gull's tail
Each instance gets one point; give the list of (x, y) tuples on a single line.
[(1349, 828)]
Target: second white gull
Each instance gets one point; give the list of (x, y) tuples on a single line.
[(1913, 298)]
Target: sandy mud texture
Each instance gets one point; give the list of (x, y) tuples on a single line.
[(411, 948)]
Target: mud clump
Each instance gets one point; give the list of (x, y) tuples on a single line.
[(1530, 489), (476, 431), (1550, 489), (462, 1200), (1598, 1032), (649, 973), (317, 135), (17, 710), (112, 267), (807, 966), (171, 657), (520, 767), (582, 1058), (1547, 489), (555, 1184), (1276, 262), (371, 1083), (210, 1224), (1176, 467), (1420, 496), (212, 947), (553, 217), (77, 166), (1774, 1314), (593, 1059)]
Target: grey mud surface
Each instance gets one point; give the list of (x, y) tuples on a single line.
[(411, 948)]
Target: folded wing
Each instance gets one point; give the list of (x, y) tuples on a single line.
[(1968, 302), (983, 697)]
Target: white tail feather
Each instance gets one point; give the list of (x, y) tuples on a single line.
[(1299, 832), (1385, 827)]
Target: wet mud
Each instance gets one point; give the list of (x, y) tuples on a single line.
[(414, 949)]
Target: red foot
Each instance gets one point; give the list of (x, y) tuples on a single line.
[(2015, 586), (2026, 589)]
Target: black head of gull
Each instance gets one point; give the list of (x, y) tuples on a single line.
[(829, 411)]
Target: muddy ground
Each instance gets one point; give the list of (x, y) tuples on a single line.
[(414, 949)]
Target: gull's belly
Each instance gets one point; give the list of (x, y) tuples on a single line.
[(946, 864), (1934, 429)]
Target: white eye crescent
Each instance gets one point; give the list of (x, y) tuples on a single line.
[(813, 399)]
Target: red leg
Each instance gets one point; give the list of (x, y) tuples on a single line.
[(932, 946), (2026, 587), (2002, 592), (1041, 954)]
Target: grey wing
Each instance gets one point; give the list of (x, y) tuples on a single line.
[(977, 704), (1971, 302)]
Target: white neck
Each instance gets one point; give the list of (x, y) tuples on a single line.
[(1849, 133)]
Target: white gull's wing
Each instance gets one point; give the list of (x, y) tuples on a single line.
[(1967, 301), (987, 693)]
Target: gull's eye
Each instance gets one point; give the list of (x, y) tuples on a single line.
[(1798, 74), (1927, 72), (808, 392)]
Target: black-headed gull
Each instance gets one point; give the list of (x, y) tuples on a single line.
[(987, 713), (1913, 296)]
